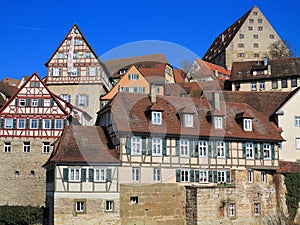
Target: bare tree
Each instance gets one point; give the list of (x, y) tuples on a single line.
[(280, 49)]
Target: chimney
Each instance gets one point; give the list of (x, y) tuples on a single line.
[(269, 70), (153, 93), (265, 61), (216, 101)]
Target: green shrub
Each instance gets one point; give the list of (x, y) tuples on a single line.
[(292, 182)]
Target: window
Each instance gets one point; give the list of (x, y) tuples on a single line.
[(294, 82), (184, 175), (255, 45), (218, 123), (156, 118), (255, 13), (58, 124), (46, 147), (284, 83), (247, 124), (256, 209), (156, 174), (92, 71), (237, 86), (297, 121), (133, 76), (250, 176), (26, 147), (80, 206), (46, 124), (242, 36), (241, 55), (231, 209), (135, 174), (249, 150), (297, 143), (259, 20), (251, 20), (184, 148), (88, 55), (274, 84), (34, 124), (47, 102), (22, 102), (82, 100), (8, 123), (253, 86), (156, 146), (76, 55), (60, 55), (240, 45), (271, 36), (188, 120), (136, 146), (7, 147), (260, 28), (267, 151), (55, 72), (261, 85), (250, 28), (221, 176), (74, 174), (255, 36), (220, 146), (21, 123), (203, 176), (100, 174), (202, 148), (78, 42), (256, 55), (263, 177), (109, 206), (34, 102), (66, 97), (134, 199)]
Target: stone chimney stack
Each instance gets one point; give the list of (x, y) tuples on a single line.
[(153, 93)]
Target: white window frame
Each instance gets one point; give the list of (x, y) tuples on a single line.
[(99, 174), (47, 102), (9, 123), (218, 122), (136, 145), (189, 120), (202, 148), (261, 85), (249, 150), (46, 124), (263, 176), (221, 176), (256, 208), (156, 146), (22, 102), (203, 176), (253, 86), (297, 121), (156, 174), (59, 124), (7, 147), (184, 148), (26, 146), (136, 174), (56, 72), (46, 147), (93, 71), (267, 151), (79, 206), (109, 205), (221, 149), (133, 76), (184, 175), (34, 102), (231, 209), (83, 100), (34, 124), (74, 174), (66, 97), (21, 122), (156, 118), (250, 175), (247, 124)]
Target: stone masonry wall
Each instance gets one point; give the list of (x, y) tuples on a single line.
[(158, 204)]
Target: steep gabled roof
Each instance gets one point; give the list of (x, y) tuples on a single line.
[(83, 145), (224, 39)]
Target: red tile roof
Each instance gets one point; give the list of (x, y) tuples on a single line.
[(214, 67), (179, 75), (288, 167), (83, 144), (129, 115)]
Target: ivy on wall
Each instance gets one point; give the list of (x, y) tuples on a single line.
[(20, 215), (292, 182)]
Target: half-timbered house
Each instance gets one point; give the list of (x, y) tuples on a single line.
[(29, 123), (76, 73)]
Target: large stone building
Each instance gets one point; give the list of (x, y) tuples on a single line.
[(249, 38), (76, 74)]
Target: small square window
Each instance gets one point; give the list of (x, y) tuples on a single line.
[(251, 20), (8, 123), (188, 119), (109, 206), (184, 175), (250, 176), (26, 147), (240, 45), (80, 206), (7, 147), (156, 118), (32, 173), (134, 199), (263, 177), (34, 102), (242, 36), (21, 123), (250, 28), (156, 174), (247, 125), (46, 147), (274, 84), (271, 36), (255, 36), (255, 45), (261, 85), (297, 121), (34, 124), (135, 174), (231, 209), (256, 55), (58, 124), (283, 83), (46, 124), (298, 143), (75, 174), (255, 13), (256, 209), (100, 174), (241, 55), (218, 123), (259, 20), (184, 148), (260, 28), (253, 86), (294, 82), (22, 102)]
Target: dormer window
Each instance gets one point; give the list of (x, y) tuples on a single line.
[(218, 122), (133, 76), (156, 118), (247, 124), (188, 120)]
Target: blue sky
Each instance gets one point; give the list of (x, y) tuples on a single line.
[(31, 30)]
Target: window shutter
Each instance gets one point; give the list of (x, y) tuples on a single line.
[(244, 150), (40, 102), (91, 175), (65, 122), (27, 123), (196, 149), (14, 123), (227, 149), (164, 147), (137, 76), (210, 176), (192, 173), (69, 98), (215, 149), (87, 102), (108, 175), (272, 152), (209, 149), (262, 156), (27, 101), (59, 71), (128, 146), (51, 71), (144, 151), (51, 102), (65, 174), (197, 176), (255, 151), (215, 177), (228, 176), (16, 101), (177, 147), (177, 175), (76, 100), (40, 124), (149, 146), (83, 175), (2, 123), (128, 76), (191, 148), (53, 123)]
